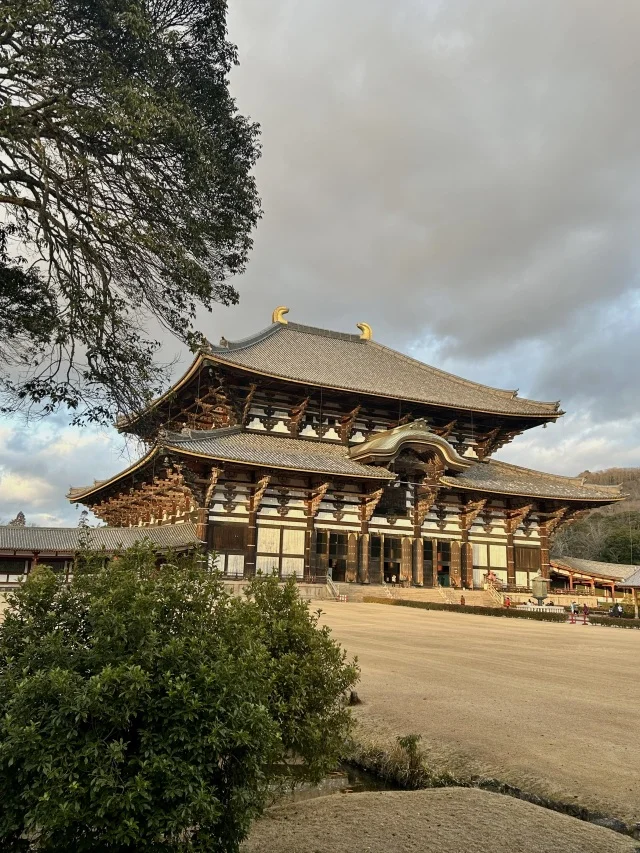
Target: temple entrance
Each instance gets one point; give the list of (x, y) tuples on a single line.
[(392, 556), (444, 563), (334, 548)]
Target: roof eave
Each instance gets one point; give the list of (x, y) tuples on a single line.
[(539, 416)]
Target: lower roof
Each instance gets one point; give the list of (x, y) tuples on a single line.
[(233, 444), (268, 450), (506, 479), (67, 540)]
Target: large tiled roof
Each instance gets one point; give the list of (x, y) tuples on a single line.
[(66, 539), (273, 451), (503, 478), (595, 568), (333, 359)]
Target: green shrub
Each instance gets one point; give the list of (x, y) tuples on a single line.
[(614, 621), (508, 612), (142, 708)]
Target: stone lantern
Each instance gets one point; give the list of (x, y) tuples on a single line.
[(540, 588)]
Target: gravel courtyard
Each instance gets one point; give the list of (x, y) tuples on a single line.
[(552, 708)]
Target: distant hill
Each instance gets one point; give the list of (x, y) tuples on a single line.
[(630, 480)]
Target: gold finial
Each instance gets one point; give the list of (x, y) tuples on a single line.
[(367, 332), (278, 315)]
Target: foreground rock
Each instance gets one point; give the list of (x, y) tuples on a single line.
[(445, 820)]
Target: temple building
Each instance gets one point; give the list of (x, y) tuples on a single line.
[(318, 454)]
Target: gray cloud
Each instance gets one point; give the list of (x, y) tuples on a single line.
[(463, 176)]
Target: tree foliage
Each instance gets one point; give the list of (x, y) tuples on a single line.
[(143, 708), (611, 538), (125, 180)]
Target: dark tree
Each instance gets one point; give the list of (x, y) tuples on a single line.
[(142, 708), (126, 192)]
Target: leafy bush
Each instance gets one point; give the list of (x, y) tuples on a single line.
[(143, 708)]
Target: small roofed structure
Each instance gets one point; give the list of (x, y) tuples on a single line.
[(22, 548), (577, 573)]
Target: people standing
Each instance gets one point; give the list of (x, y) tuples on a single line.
[(573, 608), (585, 613)]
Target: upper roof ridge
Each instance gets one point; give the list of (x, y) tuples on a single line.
[(228, 346)]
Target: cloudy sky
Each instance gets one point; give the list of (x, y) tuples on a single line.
[(464, 177)]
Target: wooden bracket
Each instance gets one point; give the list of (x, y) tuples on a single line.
[(516, 516), (445, 431), (258, 492), (347, 422), (296, 414), (247, 403), (425, 497), (369, 503), (484, 444), (317, 496), (551, 520), (470, 512)]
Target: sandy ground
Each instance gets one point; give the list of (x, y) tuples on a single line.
[(554, 709), (446, 820)]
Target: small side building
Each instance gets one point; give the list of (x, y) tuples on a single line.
[(22, 548)]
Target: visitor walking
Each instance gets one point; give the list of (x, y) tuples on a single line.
[(573, 609), (585, 613), (462, 600)]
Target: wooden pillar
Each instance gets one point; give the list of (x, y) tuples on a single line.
[(425, 493), (317, 493), (352, 558), (364, 555), (252, 544), (455, 569), (434, 563), (418, 561), (544, 550), (468, 514), (309, 537), (570, 581), (466, 561), (202, 524), (511, 560), (255, 499), (369, 502), (406, 560), (635, 602)]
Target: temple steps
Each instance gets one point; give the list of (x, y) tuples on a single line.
[(358, 592)]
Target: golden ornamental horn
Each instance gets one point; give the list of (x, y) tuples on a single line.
[(278, 315), (367, 332)]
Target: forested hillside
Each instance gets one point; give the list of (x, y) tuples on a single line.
[(610, 534)]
